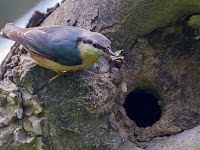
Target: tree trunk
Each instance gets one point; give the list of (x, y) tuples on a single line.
[(84, 109)]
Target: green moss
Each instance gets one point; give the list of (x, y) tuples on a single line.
[(59, 138), (3, 97), (36, 144), (194, 21)]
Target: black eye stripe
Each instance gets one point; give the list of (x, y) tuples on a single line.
[(85, 40), (95, 45), (90, 42), (98, 46)]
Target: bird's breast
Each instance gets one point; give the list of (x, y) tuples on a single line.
[(89, 56)]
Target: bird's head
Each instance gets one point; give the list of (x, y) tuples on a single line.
[(98, 42)]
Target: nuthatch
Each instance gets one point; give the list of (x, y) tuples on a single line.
[(60, 48)]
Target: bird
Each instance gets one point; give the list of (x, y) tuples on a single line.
[(60, 48)]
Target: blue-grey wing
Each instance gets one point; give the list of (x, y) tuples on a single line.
[(58, 43)]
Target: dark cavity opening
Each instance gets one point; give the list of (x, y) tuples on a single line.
[(143, 108)]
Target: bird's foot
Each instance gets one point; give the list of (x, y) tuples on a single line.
[(60, 73), (52, 79)]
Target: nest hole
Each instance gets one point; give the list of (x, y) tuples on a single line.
[(142, 107)]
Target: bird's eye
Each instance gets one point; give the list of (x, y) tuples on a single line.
[(106, 50), (94, 45), (84, 40), (108, 47)]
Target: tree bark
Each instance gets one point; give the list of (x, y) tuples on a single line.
[(84, 109)]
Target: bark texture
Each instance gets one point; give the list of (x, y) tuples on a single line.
[(84, 109)]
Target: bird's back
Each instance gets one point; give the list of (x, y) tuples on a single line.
[(58, 43)]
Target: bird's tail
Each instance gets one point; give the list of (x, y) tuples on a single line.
[(7, 29)]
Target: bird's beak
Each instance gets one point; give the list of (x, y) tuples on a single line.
[(111, 52), (108, 52)]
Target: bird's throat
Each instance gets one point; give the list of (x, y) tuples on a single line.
[(89, 54)]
